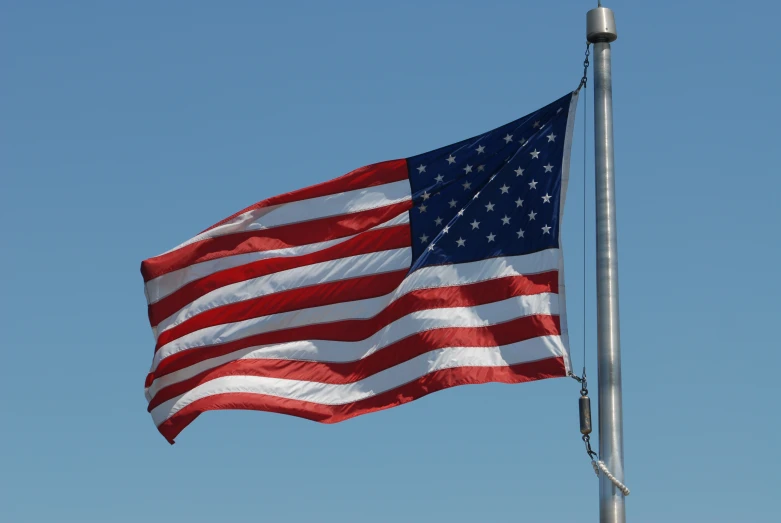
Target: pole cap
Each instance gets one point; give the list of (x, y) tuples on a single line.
[(601, 25)]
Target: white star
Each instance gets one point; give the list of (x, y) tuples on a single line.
[(422, 207), (468, 169), (533, 185), (548, 168), (439, 178), (536, 124), (466, 186), (480, 149), (535, 153), (519, 203), (506, 220), (546, 230), (446, 229), (532, 215), (489, 207), (523, 141), (480, 168), (431, 247), (551, 137), (425, 195), (491, 237), (424, 238), (504, 189), (421, 169), (451, 159), (519, 172), (452, 203), (546, 198), (461, 242), (475, 225), (461, 212), (508, 138), (520, 233), (438, 221)]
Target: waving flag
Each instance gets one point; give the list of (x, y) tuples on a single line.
[(393, 281)]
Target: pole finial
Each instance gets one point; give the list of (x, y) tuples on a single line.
[(601, 25)]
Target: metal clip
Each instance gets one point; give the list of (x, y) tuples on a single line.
[(584, 79)]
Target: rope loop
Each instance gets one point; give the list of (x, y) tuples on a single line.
[(599, 464)]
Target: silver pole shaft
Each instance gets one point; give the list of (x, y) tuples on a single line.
[(611, 439)]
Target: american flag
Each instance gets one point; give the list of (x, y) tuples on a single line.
[(373, 289)]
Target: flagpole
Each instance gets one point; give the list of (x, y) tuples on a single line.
[(600, 31)]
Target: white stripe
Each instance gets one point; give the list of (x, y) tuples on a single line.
[(388, 379), (166, 284), (342, 352), (310, 209), (427, 277), (306, 276), (481, 270)]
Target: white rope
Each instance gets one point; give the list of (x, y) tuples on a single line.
[(600, 465)]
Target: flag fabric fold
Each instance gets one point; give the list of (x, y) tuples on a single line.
[(373, 289)]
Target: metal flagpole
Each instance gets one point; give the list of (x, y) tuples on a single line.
[(600, 31)]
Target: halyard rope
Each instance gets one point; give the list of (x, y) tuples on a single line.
[(597, 464)]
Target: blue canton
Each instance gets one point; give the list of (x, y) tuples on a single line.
[(497, 194)]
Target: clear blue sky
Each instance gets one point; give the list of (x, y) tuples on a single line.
[(128, 127)]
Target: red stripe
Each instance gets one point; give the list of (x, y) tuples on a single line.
[(322, 294), (281, 237), (433, 382), (513, 331), (355, 330), (367, 242), (361, 178)]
